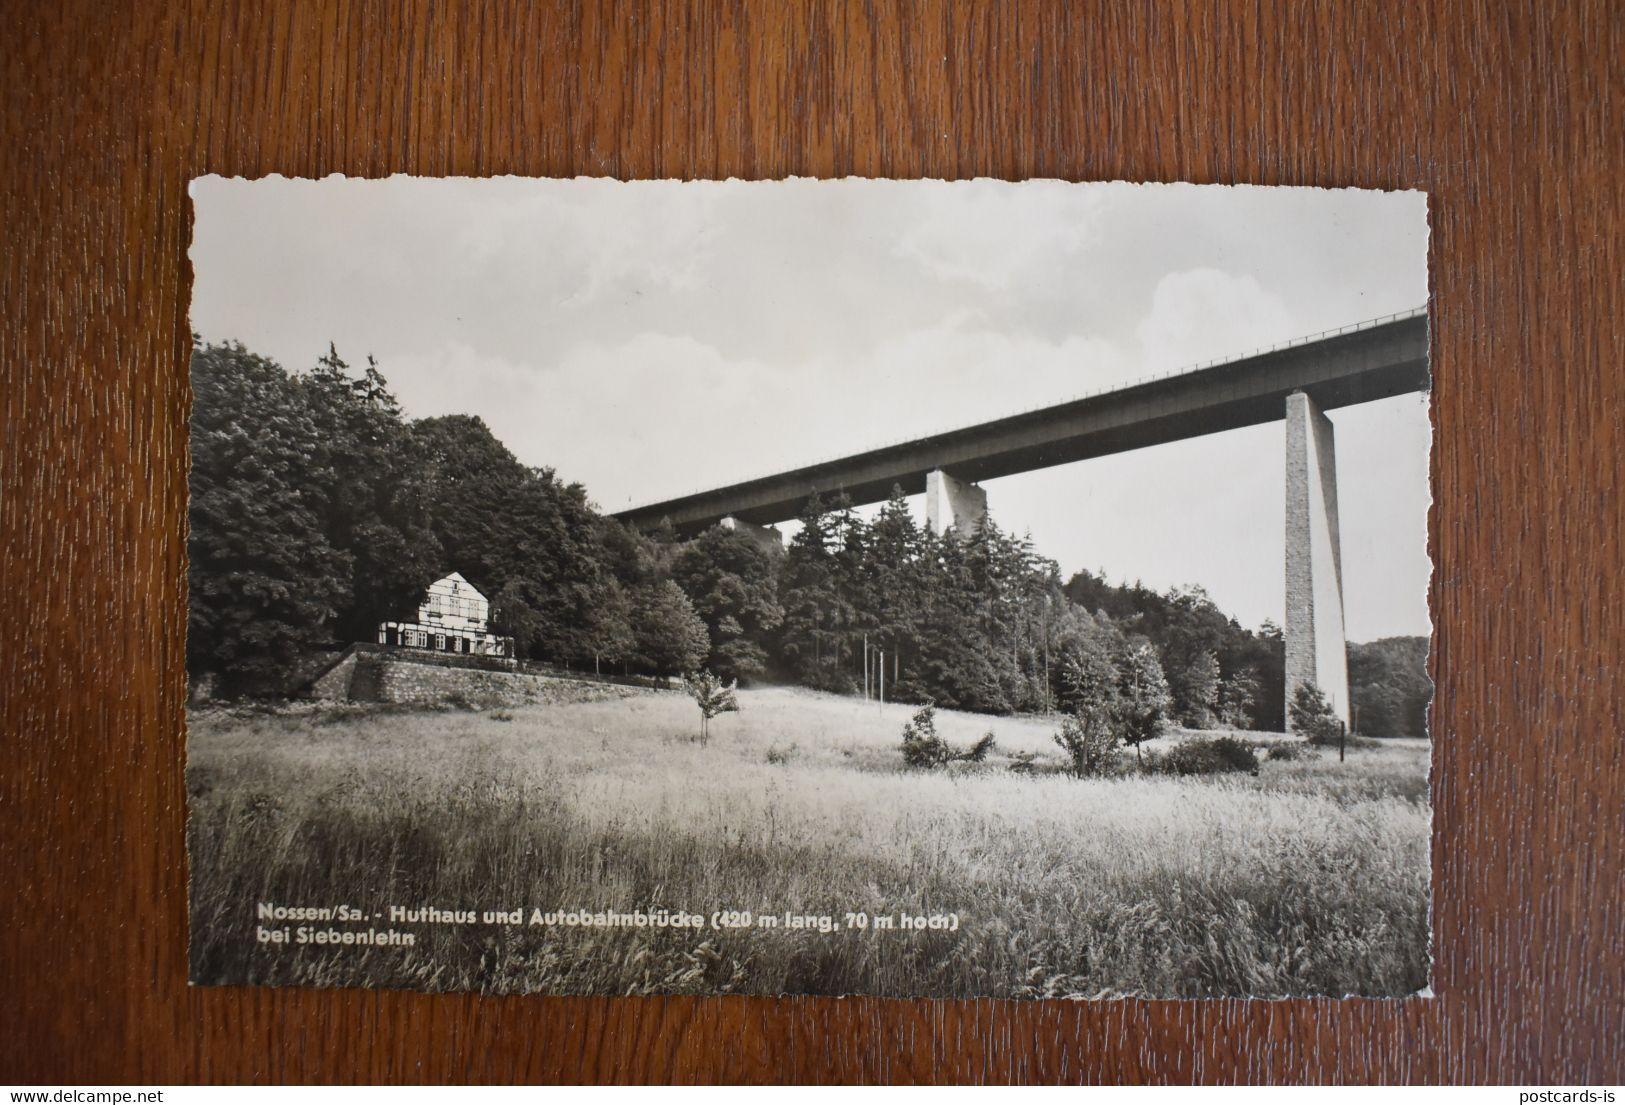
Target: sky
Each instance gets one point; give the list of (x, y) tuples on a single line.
[(657, 337)]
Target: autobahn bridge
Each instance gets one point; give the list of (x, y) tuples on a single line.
[(1297, 381)]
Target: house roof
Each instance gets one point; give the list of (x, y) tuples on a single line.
[(458, 578)]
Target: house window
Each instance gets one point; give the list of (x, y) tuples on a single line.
[(440, 642)]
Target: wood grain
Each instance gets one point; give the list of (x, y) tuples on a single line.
[(1510, 115)]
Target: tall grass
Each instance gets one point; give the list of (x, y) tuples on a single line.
[(1311, 878)]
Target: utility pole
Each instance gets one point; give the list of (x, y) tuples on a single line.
[(866, 667), (1048, 705)]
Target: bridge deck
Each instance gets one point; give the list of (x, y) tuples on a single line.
[(1355, 365)]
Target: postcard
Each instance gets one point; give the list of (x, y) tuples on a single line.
[(905, 588)]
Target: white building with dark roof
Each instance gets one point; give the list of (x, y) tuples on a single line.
[(454, 617)]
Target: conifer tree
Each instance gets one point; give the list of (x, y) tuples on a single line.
[(369, 489), (849, 612), (808, 589), (668, 637), (896, 581), (1312, 715)]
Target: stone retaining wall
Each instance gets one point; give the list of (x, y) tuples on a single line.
[(334, 684), (375, 679)]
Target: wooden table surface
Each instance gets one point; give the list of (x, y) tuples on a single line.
[(1511, 115)]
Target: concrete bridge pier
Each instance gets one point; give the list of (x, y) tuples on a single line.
[(768, 537), (1316, 647), (953, 504)]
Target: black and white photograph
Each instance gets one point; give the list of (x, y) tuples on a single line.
[(972, 589)]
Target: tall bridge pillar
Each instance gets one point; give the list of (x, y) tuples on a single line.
[(953, 504), (1316, 648), (768, 537)]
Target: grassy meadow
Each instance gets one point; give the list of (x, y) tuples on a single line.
[(1308, 878)]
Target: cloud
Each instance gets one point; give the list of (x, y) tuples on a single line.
[(1204, 314), (988, 233), (612, 239), (655, 414)]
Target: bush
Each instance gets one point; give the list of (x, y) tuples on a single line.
[(781, 756), (923, 748), (827, 677), (921, 745), (1206, 756), (1089, 740), (1288, 753), (909, 691), (1312, 715)]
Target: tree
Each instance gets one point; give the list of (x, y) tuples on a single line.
[(1089, 676), (1263, 653), (733, 584), (627, 555), (1088, 738), (967, 621), (1143, 696), (610, 635), (851, 610), (960, 663), (500, 522), (266, 582), (1389, 688), (668, 636), (516, 610), (368, 488), (1312, 715), (1236, 698), (712, 697), (1195, 688), (896, 584), (1183, 623), (808, 590), (1194, 632)]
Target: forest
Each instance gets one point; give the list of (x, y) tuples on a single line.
[(318, 510)]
